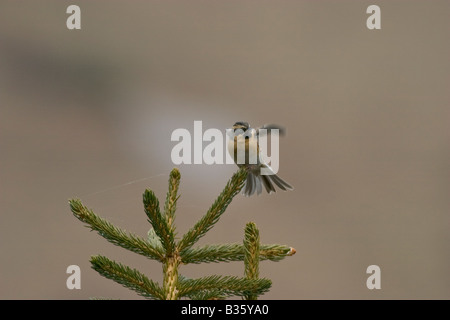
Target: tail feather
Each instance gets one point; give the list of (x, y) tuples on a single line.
[(253, 189), (278, 183), (281, 183), (249, 185), (258, 186), (254, 184), (267, 184)]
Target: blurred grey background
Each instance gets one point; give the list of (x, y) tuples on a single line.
[(89, 113)]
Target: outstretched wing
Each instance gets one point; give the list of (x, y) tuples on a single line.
[(268, 127)]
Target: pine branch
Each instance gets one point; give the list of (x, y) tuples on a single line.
[(275, 252), (233, 252), (226, 285), (161, 246), (251, 257), (170, 205), (130, 278), (158, 222), (212, 294), (251, 245), (213, 253), (212, 216), (207, 295), (170, 281), (154, 240), (113, 234)]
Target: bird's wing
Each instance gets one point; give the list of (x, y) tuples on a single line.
[(268, 127)]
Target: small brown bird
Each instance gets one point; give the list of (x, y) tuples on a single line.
[(244, 135)]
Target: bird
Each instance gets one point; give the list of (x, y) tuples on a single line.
[(242, 134)]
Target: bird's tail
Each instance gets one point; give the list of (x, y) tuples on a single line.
[(255, 182)]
